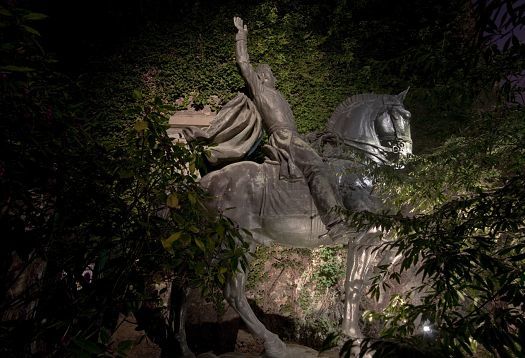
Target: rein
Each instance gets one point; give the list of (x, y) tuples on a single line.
[(329, 137), (392, 141), (379, 156)]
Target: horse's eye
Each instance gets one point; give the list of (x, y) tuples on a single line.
[(401, 115), (404, 114)]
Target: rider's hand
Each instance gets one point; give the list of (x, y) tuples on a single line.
[(239, 24)]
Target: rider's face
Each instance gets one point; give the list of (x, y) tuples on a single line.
[(265, 74), (268, 79)]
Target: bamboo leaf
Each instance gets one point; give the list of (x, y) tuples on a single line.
[(31, 30), (141, 126), (194, 229), (125, 346), (34, 16), (200, 245), (11, 68), (137, 94), (192, 198), (168, 243), (173, 201)]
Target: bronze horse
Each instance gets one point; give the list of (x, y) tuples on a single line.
[(280, 211)]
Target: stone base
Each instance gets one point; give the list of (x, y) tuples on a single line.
[(293, 351)]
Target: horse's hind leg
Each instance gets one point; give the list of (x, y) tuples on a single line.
[(234, 294), (176, 332)]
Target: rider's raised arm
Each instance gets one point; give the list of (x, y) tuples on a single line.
[(242, 58)]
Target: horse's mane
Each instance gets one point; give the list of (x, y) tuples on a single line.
[(352, 100)]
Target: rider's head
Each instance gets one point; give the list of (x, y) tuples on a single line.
[(265, 74)]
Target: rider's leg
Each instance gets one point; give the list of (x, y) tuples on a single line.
[(322, 186)]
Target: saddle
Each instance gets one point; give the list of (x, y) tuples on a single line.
[(287, 206)]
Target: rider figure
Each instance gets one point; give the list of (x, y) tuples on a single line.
[(279, 122)]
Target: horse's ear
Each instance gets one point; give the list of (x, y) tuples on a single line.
[(403, 94)]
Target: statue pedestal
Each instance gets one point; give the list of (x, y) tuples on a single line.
[(293, 351)]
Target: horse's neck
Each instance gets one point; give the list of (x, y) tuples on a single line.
[(332, 148)]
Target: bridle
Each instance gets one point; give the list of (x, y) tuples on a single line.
[(396, 142), (392, 141)]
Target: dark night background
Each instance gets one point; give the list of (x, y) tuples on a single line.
[(85, 162)]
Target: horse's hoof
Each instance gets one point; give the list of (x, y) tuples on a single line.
[(274, 348), (355, 351)]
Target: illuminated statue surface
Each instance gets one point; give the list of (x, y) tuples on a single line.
[(289, 199)]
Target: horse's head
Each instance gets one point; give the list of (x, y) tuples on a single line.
[(379, 125)]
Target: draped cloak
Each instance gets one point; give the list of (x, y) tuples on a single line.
[(237, 130)]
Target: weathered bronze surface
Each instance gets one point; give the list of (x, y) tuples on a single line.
[(287, 199), (297, 159)]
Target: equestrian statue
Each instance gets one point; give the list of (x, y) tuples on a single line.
[(295, 197)]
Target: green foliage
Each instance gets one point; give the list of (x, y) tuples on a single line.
[(463, 229), (391, 348), (441, 50), (305, 301), (102, 348), (470, 252), (330, 270), (20, 52), (292, 43), (464, 235), (157, 173), (87, 175), (257, 269), (320, 332), (105, 212), (192, 62), (489, 152)]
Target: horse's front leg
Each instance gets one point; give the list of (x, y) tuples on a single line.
[(235, 295), (360, 255)]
